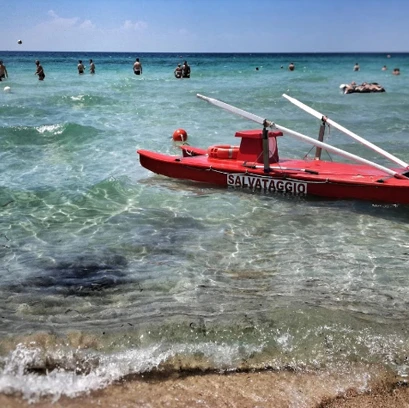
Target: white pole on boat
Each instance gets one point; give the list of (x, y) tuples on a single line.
[(307, 139), (230, 108), (370, 145), (340, 152)]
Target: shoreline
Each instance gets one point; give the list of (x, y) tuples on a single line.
[(278, 389)]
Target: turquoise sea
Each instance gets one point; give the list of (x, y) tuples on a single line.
[(107, 270)]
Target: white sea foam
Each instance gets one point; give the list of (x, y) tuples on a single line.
[(58, 382), (54, 129)]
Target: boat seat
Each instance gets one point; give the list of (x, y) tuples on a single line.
[(251, 146)]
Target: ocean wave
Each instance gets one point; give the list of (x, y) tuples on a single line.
[(79, 362), (37, 372), (62, 134), (84, 100)]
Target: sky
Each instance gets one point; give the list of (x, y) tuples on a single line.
[(205, 25)]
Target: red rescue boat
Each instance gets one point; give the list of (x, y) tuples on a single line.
[(255, 164)]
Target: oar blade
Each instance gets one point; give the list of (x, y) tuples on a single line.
[(303, 106), (233, 109)]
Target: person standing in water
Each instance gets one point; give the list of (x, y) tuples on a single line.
[(3, 71), (137, 67), (185, 70), (80, 67), (91, 67), (39, 71), (178, 71)]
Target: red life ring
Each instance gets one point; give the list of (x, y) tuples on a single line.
[(223, 152)]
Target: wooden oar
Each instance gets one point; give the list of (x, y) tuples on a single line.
[(365, 142), (307, 139)]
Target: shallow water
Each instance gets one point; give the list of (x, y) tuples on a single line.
[(108, 270)]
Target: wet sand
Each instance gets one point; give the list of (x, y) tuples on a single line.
[(244, 390)]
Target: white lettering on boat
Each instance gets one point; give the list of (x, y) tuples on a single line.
[(267, 184)]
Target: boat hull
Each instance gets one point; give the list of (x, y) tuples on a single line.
[(294, 177)]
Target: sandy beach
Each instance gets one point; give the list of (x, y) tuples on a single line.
[(244, 390)]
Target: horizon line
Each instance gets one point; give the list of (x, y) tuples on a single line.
[(217, 52)]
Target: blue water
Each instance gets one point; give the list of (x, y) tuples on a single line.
[(108, 270)]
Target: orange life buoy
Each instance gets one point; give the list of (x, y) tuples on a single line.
[(223, 152), (180, 135)]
